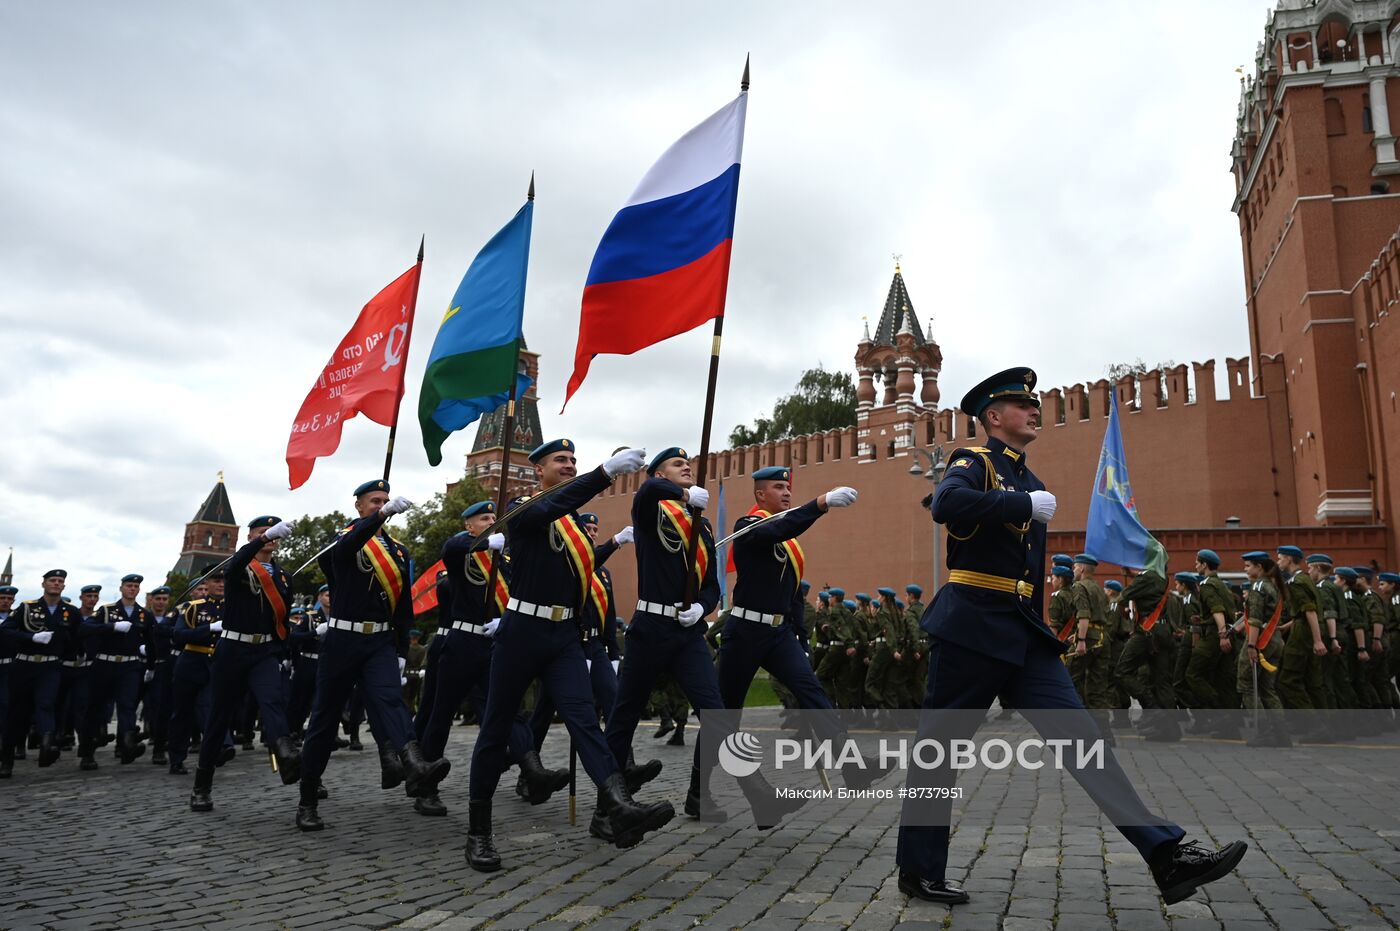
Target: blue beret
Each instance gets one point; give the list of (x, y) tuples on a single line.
[(61, 573), (1319, 559), (1209, 557), (824, 596), (1346, 572), (553, 446), (1258, 556), (1363, 571), (1062, 559), (773, 474), (915, 590), (8, 590), (90, 589), (1012, 384), (414, 632), (323, 588), (588, 517), (267, 520), (887, 592), (1293, 551), (837, 592), (159, 590), (670, 452), (374, 484), (1112, 584), (296, 610), (1392, 577), (133, 577), (481, 507), (1084, 559), (862, 597), (1190, 578), (805, 585), (899, 604), (1064, 572), (850, 605), (67, 600)]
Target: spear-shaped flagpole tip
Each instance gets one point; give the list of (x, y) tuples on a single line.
[(530, 194), (744, 81), (421, 241)]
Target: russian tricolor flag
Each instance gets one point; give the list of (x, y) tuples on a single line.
[(663, 265)]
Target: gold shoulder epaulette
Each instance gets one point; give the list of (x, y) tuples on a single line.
[(977, 449)]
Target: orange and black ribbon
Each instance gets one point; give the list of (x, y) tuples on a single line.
[(483, 563), (580, 552), (796, 558), (387, 570), (273, 596), (679, 516)]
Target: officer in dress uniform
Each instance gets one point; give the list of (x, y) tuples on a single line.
[(7, 655), (116, 639), (37, 631), (988, 637), (249, 655), (364, 643), (193, 636), (155, 704), (551, 572), (75, 678), (464, 667)]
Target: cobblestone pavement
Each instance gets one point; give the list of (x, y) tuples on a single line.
[(119, 848)]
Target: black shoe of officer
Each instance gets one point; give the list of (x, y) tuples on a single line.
[(629, 820), (430, 805), (178, 769), (354, 734), (245, 740), (48, 750), (135, 749), (664, 727), (288, 760), (321, 793), (540, 783), (19, 753), (420, 776), (32, 741), (391, 771), (600, 825), (639, 775), (158, 757), (7, 763), (699, 804), (521, 789), (1182, 869), (226, 754), (767, 806), (200, 799), (481, 847), (942, 891), (307, 817), (678, 738), (86, 760)]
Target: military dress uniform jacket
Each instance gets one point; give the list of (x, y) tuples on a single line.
[(463, 596), (247, 608), (191, 632), (357, 594), (29, 618), (766, 581), (991, 534), (661, 553), (100, 637), (542, 573)]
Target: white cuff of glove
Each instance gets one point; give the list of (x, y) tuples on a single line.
[(697, 497), (122, 626), (497, 541), (1043, 506), (142, 650), (588, 665), (397, 506), (217, 627), (623, 536), (321, 628), (690, 615), (490, 626), (150, 676), (279, 530), (616, 663), (403, 680), (625, 462), (840, 497), (43, 637), (402, 663)]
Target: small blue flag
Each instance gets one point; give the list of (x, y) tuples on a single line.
[(1115, 533)]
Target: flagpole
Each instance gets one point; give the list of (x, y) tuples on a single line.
[(702, 467), (507, 435), (408, 334)]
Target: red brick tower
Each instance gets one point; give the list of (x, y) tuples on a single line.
[(211, 537), (898, 350), (484, 461)]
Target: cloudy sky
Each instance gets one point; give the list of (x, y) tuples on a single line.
[(198, 198)]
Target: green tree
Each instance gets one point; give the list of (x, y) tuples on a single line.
[(430, 524), (309, 535), (822, 400)]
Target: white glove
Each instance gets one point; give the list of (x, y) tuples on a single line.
[(625, 462), (841, 497), (43, 637), (217, 627), (497, 541), (690, 615), (623, 536), (397, 506), (697, 497), (278, 531), (150, 675), (490, 626), (403, 680), (403, 662), (322, 627), (122, 627), (588, 665), (1042, 506), (616, 663), (142, 650)]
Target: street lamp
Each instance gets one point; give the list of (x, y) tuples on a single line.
[(933, 469)]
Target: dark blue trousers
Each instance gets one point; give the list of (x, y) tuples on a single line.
[(961, 680), (528, 648), (657, 645), (33, 693), (603, 681), (156, 704), (189, 703), (430, 686), (73, 691), (746, 646), (238, 670), (302, 693), (349, 659), (116, 684), (463, 673)]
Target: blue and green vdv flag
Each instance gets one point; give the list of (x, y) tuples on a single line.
[(475, 351), (1115, 533)]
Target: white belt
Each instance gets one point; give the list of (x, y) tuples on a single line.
[(359, 627), (5, 660), (652, 607), (878, 640), (35, 658), (238, 637), (467, 627), (75, 663), (311, 656), (548, 612), (772, 620), (115, 657), (416, 673)]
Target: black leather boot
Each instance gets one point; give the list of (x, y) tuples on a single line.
[(629, 820), (48, 750), (540, 783), (1181, 869), (307, 818), (86, 758), (664, 727), (639, 775), (158, 757), (430, 805), (678, 737), (288, 760), (699, 804), (422, 777), (481, 847), (600, 825), (391, 771), (767, 806), (354, 735), (7, 762), (203, 784), (129, 746)]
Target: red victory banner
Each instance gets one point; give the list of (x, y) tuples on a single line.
[(425, 589), (364, 376)]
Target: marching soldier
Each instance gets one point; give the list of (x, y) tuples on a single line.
[(1092, 649), (1148, 657), (193, 637), (37, 632), (1388, 589), (831, 670), (306, 637), (1063, 619), (1377, 614), (918, 641), (1301, 672), (821, 631), (552, 564), (1340, 646), (248, 658), (156, 702), (1257, 665), (1358, 654), (1187, 584), (1118, 628), (1210, 673), (116, 638), (989, 637), (75, 678), (7, 657), (886, 669)]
